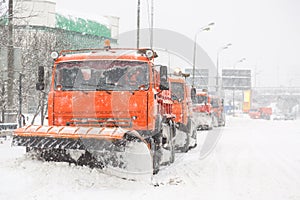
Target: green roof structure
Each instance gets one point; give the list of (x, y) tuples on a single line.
[(84, 26)]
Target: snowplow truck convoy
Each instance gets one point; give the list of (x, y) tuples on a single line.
[(181, 93), (107, 108), (202, 110)]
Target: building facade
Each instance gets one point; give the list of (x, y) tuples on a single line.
[(37, 31)]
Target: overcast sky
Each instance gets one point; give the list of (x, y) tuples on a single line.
[(265, 32)]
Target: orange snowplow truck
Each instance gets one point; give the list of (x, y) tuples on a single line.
[(203, 110), (107, 108), (218, 115), (186, 135)]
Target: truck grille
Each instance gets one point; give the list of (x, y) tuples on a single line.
[(101, 122)]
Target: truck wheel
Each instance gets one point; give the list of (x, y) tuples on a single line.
[(210, 126), (157, 152), (194, 137), (186, 146), (223, 119), (156, 159), (223, 124), (215, 121), (172, 143), (162, 143)]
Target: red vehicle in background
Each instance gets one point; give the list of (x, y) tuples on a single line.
[(254, 114), (203, 110), (261, 113)]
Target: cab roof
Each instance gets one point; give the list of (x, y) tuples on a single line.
[(107, 54)]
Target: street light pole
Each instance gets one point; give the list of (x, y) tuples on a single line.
[(3, 102), (20, 115), (239, 61), (233, 90), (138, 25), (10, 56), (20, 93), (218, 53), (204, 28)]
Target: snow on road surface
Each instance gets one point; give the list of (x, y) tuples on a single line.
[(253, 159)]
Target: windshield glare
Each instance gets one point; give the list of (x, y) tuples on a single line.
[(102, 75)]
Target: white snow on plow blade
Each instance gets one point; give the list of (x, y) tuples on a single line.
[(138, 163)]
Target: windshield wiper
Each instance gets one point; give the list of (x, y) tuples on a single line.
[(105, 86)]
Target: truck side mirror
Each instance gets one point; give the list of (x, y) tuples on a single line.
[(40, 85), (164, 83), (193, 94)]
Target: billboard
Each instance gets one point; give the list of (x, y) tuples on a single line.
[(201, 77), (236, 79), (247, 101)]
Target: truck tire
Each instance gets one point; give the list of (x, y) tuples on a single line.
[(155, 142), (210, 126), (215, 121), (186, 146), (172, 145), (194, 137), (188, 131), (171, 142), (159, 141)]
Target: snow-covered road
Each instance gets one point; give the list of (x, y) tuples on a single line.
[(253, 159)]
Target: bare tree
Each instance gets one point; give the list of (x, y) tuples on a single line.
[(36, 44)]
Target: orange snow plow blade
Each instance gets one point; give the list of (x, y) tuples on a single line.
[(114, 149)]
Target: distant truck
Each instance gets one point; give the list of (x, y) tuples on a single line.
[(203, 111), (181, 94), (218, 114), (261, 113)]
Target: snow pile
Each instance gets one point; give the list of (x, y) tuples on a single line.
[(253, 159)]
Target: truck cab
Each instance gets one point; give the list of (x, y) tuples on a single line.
[(186, 136), (202, 109)]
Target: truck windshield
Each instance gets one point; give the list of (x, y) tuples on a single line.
[(201, 99), (215, 103), (177, 91), (102, 75)]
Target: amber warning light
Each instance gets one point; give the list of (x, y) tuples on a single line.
[(107, 44)]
